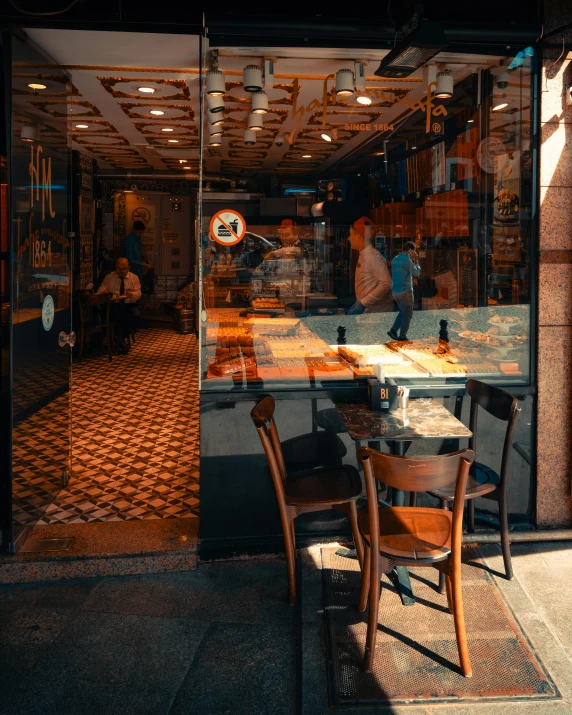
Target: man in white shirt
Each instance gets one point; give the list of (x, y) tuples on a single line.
[(372, 277), (125, 289)]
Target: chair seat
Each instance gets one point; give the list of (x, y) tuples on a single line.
[(323, 486), (483, 481), (413, 533), (313, 450)]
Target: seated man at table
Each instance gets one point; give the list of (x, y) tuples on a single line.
[(126, 291)]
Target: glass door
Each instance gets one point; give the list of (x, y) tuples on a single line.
[(41, 305)]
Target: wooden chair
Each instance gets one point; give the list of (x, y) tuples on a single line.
[(88, 303), (413, 536), (484, 481), (316, 490)]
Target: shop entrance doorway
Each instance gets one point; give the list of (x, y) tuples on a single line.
[(102, 139)]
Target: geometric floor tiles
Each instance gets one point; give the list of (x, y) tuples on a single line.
[(135, 445)]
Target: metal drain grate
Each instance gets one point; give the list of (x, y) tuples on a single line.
[(32, 546), (416, 656)]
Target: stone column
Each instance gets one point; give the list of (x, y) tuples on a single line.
[(553, 505)]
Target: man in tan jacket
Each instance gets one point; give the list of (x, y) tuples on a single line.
[(372, 278)]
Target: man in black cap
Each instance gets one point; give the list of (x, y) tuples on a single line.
[(133, 251)]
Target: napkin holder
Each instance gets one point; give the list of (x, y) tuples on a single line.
[(382, 396)]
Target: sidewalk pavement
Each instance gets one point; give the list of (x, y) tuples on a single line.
[(223, 640)]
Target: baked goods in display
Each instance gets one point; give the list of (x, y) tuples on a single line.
[(268, 304), (369, 355)]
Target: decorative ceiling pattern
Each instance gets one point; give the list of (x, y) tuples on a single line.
[(112, 105)]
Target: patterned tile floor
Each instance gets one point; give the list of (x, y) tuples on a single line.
[(135, 439)]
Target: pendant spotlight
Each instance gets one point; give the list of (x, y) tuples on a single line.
[(215, 120), (445, 84), (259, 103), (215, 104), (255, 122), (216, 86), (344, 83), (215, 130), (252, 78), (29, 133), (364, 99), (215, 140), (249, 137)]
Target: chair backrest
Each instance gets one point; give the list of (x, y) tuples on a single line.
[(416, 475), (499, 404), (263, 417)]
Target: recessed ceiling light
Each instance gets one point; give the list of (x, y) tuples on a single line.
[(82, 126), (182, 161), (146, 90), (379, 153), (363, 99), (34, 85), (470, 121), (500, 106), (173, 141), (326, 137), (167, 129), (157, 112), (306, 156)]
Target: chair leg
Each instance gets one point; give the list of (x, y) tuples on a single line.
[(374, 591), (353, 517), (413, 499), (449, 593), (459, 618), (505, 541), (364, 580), (441, 574), (471, 516), (290, 561)]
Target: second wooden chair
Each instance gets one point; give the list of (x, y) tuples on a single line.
[(413, 536)]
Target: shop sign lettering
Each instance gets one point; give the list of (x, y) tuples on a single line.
[(45, 186), (298, 112)]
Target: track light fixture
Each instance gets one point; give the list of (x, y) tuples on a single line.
[(360, 76), (29, 133), (445, 84), (255, 122), (215, 130), (259, 103), (344, 83), (252, 78), (215, 140), (216, 86), (215, 104), (249, 137), (216, 119), (269, 73)]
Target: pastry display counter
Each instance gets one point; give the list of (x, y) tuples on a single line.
[(274, 351)]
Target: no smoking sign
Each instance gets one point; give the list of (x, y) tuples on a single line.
[(227, 227)]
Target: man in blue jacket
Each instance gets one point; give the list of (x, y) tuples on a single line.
[(133, 251), (404, 267)]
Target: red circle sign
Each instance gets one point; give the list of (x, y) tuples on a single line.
[(141, 214), (227, 227)]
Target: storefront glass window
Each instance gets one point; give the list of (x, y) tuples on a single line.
[(385, 223)]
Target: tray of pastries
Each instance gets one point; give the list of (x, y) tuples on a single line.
[(274, 304), (369, 354)]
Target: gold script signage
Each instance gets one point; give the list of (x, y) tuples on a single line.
[(428, 107), (45, 187)]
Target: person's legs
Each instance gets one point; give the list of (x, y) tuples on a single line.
[(397, 322), (405, 303)]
